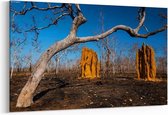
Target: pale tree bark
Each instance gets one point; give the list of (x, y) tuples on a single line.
[(11, 72), (26, 95), (15, 48), (57, 59), (12, 66)]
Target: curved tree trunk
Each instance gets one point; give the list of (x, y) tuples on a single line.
[(26, 95), (25, 98)]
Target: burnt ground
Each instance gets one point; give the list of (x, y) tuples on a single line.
[(54, 93)]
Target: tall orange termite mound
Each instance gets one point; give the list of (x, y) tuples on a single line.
[(90, 66), (145, 63)]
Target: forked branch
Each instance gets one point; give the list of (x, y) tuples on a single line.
[(25, 98), (132, 32), (128, 29)]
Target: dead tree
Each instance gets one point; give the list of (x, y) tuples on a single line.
[(26, 94), (107, 45), (28, 61), (57, 61), (16, 46), (131, 58)]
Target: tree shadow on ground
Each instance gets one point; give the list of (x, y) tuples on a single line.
[(39, 95)]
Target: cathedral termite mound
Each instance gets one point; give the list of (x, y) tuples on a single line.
[(90, 66), (145, 63)]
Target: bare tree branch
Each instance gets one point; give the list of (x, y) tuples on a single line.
[(128, 29), (78, 8), (26, 95), (141, 19), (33, 6), (51, 24), (163, 16), (70, 10), (146, 28)]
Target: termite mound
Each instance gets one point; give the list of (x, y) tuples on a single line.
[(90, 66), (145, 63)]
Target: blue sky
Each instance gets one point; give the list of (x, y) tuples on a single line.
[(112, 16)]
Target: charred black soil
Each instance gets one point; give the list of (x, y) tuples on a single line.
[(54, 93)]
